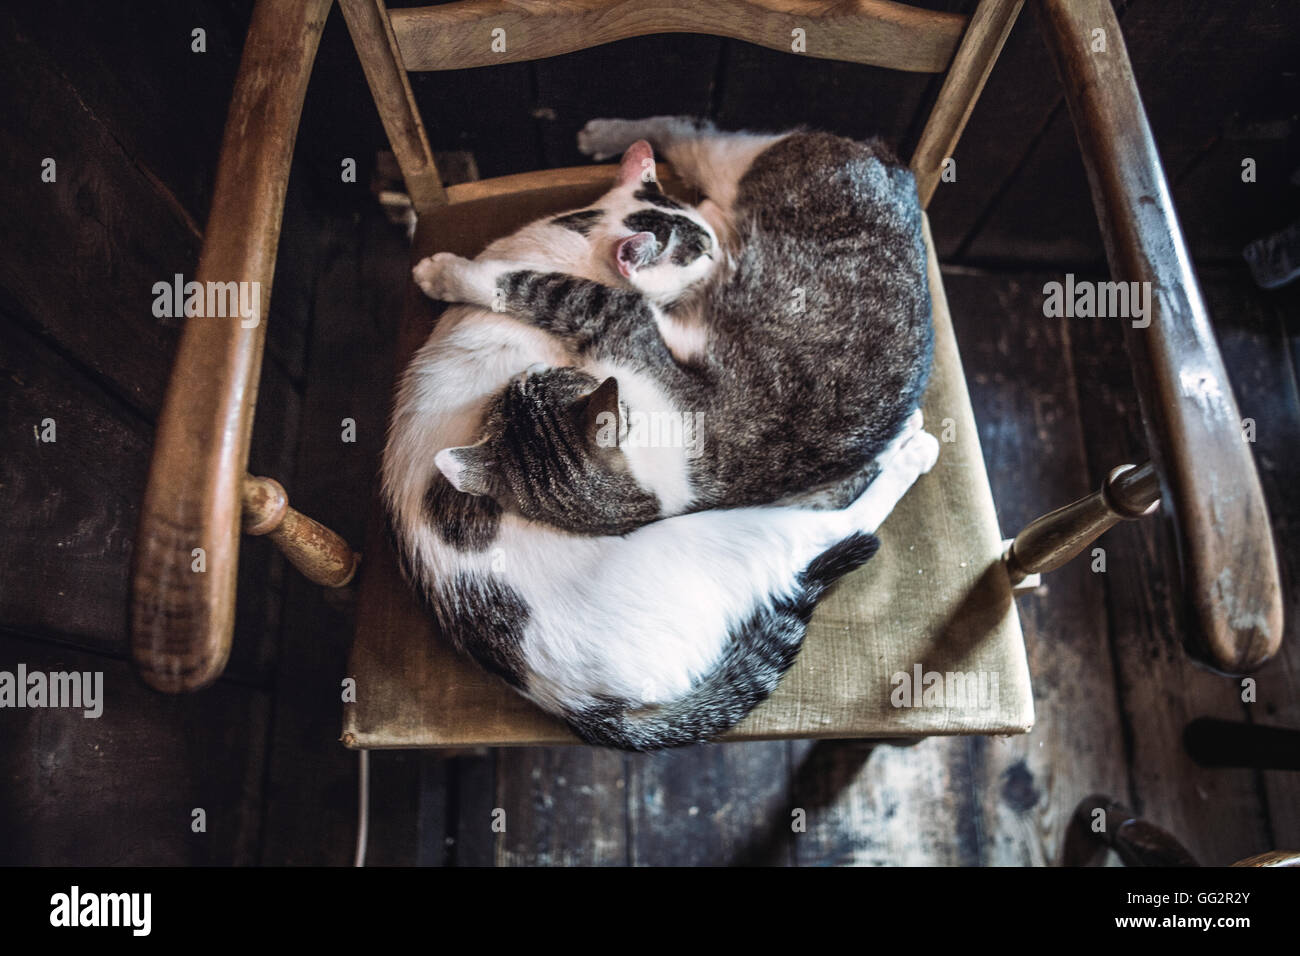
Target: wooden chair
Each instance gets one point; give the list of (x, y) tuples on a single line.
[(939, 596)]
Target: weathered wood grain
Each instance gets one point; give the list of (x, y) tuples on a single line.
[(562, 806), (1027, 395), (372, 35), (884, 805), (1230, 572), (321, 555), (981, 43), (877, 32), (1261, 345), (182, 621), (720, 805), (70, 506), (1217, 814), (310, 809), (1129, 492), (120, 789)]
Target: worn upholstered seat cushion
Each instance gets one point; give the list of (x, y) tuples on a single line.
[(934, 600)]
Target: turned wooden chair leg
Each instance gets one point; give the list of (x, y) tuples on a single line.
[(321, 555), (1129, 492), (1100, 823)]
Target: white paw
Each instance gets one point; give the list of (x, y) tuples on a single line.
[(436, 276), (605, 138), (910, 428), (918, 454)]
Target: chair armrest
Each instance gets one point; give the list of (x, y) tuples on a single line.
[(1230, 571), (181, 616)]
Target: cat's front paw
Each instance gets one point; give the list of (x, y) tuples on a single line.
[(917, 454), (437, 276), (910, 427), (605, 138)]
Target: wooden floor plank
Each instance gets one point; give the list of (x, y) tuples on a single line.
[(70, 508), (1217, 814), (121, 789), (887, 806), (711, 805), (100, 52), (395, 791), (562, 806), (311, 792), (1213, 104), (431, 836), (1021, 377), (97, 239), (487, 110), (457, 809), (1192, 83), (1258, 338), (472, 809), (683, 65), (1017, 102)]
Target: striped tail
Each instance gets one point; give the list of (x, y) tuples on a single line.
[(755, 660)]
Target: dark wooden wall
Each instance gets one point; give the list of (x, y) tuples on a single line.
[(133, 118)]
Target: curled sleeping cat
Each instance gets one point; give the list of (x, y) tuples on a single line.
[(664, 636), (777, 362)]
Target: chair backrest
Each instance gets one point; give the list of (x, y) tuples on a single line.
[(470, 33)]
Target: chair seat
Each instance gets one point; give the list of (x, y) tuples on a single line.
[(931, 614)]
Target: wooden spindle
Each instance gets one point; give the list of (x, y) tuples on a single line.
[(372, 34), (1129, 492), (321, 555)]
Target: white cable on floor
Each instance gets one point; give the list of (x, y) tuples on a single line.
[(363, 808)]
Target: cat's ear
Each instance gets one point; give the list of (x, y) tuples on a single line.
[(466, 468), (602, 414), (635, 252), (638, 165)]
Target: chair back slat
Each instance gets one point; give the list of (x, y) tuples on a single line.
[(469, 33), (486, 32), (979, 50), (372, 34)]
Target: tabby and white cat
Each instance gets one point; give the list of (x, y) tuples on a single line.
[(667, 635), (789, 364)]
